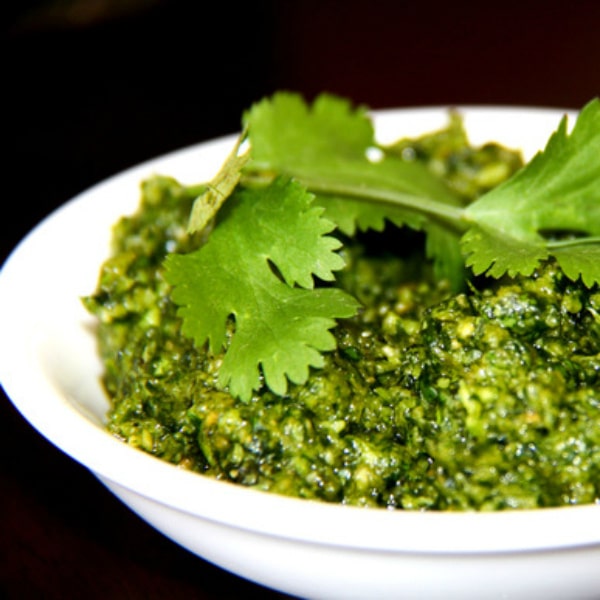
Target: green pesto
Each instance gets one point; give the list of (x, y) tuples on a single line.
[(487, 400)]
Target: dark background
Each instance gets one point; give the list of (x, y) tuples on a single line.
[(90, 87)]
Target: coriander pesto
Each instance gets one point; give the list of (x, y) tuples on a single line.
[(483, 399)]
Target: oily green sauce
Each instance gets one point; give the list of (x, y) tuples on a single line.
[(484, 400)]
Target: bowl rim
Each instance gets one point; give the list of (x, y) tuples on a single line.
[(77, 434)]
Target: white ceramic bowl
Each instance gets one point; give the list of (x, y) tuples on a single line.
[(50, 369)]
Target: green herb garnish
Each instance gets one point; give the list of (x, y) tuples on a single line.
[(262, 287)]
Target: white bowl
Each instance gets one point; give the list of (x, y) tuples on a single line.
[(50, 369)]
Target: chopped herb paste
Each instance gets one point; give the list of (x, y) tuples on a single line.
[(487, 399)]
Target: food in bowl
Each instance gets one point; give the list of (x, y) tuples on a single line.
[(411, 326), (50, 368)]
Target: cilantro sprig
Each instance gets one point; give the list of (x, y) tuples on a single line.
[(262, 287), (551, 208), (282, 321)]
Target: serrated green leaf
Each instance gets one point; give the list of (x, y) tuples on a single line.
[(350, 214), (328, 147), (280, 328), (283, 332), (491, 252), (559, 189), (556, 193), (285, 131), (580, 261)]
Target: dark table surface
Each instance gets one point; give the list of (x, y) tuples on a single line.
[(93, 87)]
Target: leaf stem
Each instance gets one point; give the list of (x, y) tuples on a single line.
[(420, 204), (578, 241)]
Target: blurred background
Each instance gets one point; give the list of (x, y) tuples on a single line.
[(91, 87)]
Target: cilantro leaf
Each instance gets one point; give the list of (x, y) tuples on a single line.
[(556, 194), (285, 132), (253, 273), (328, 147), (580, 261), (493, 252)]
